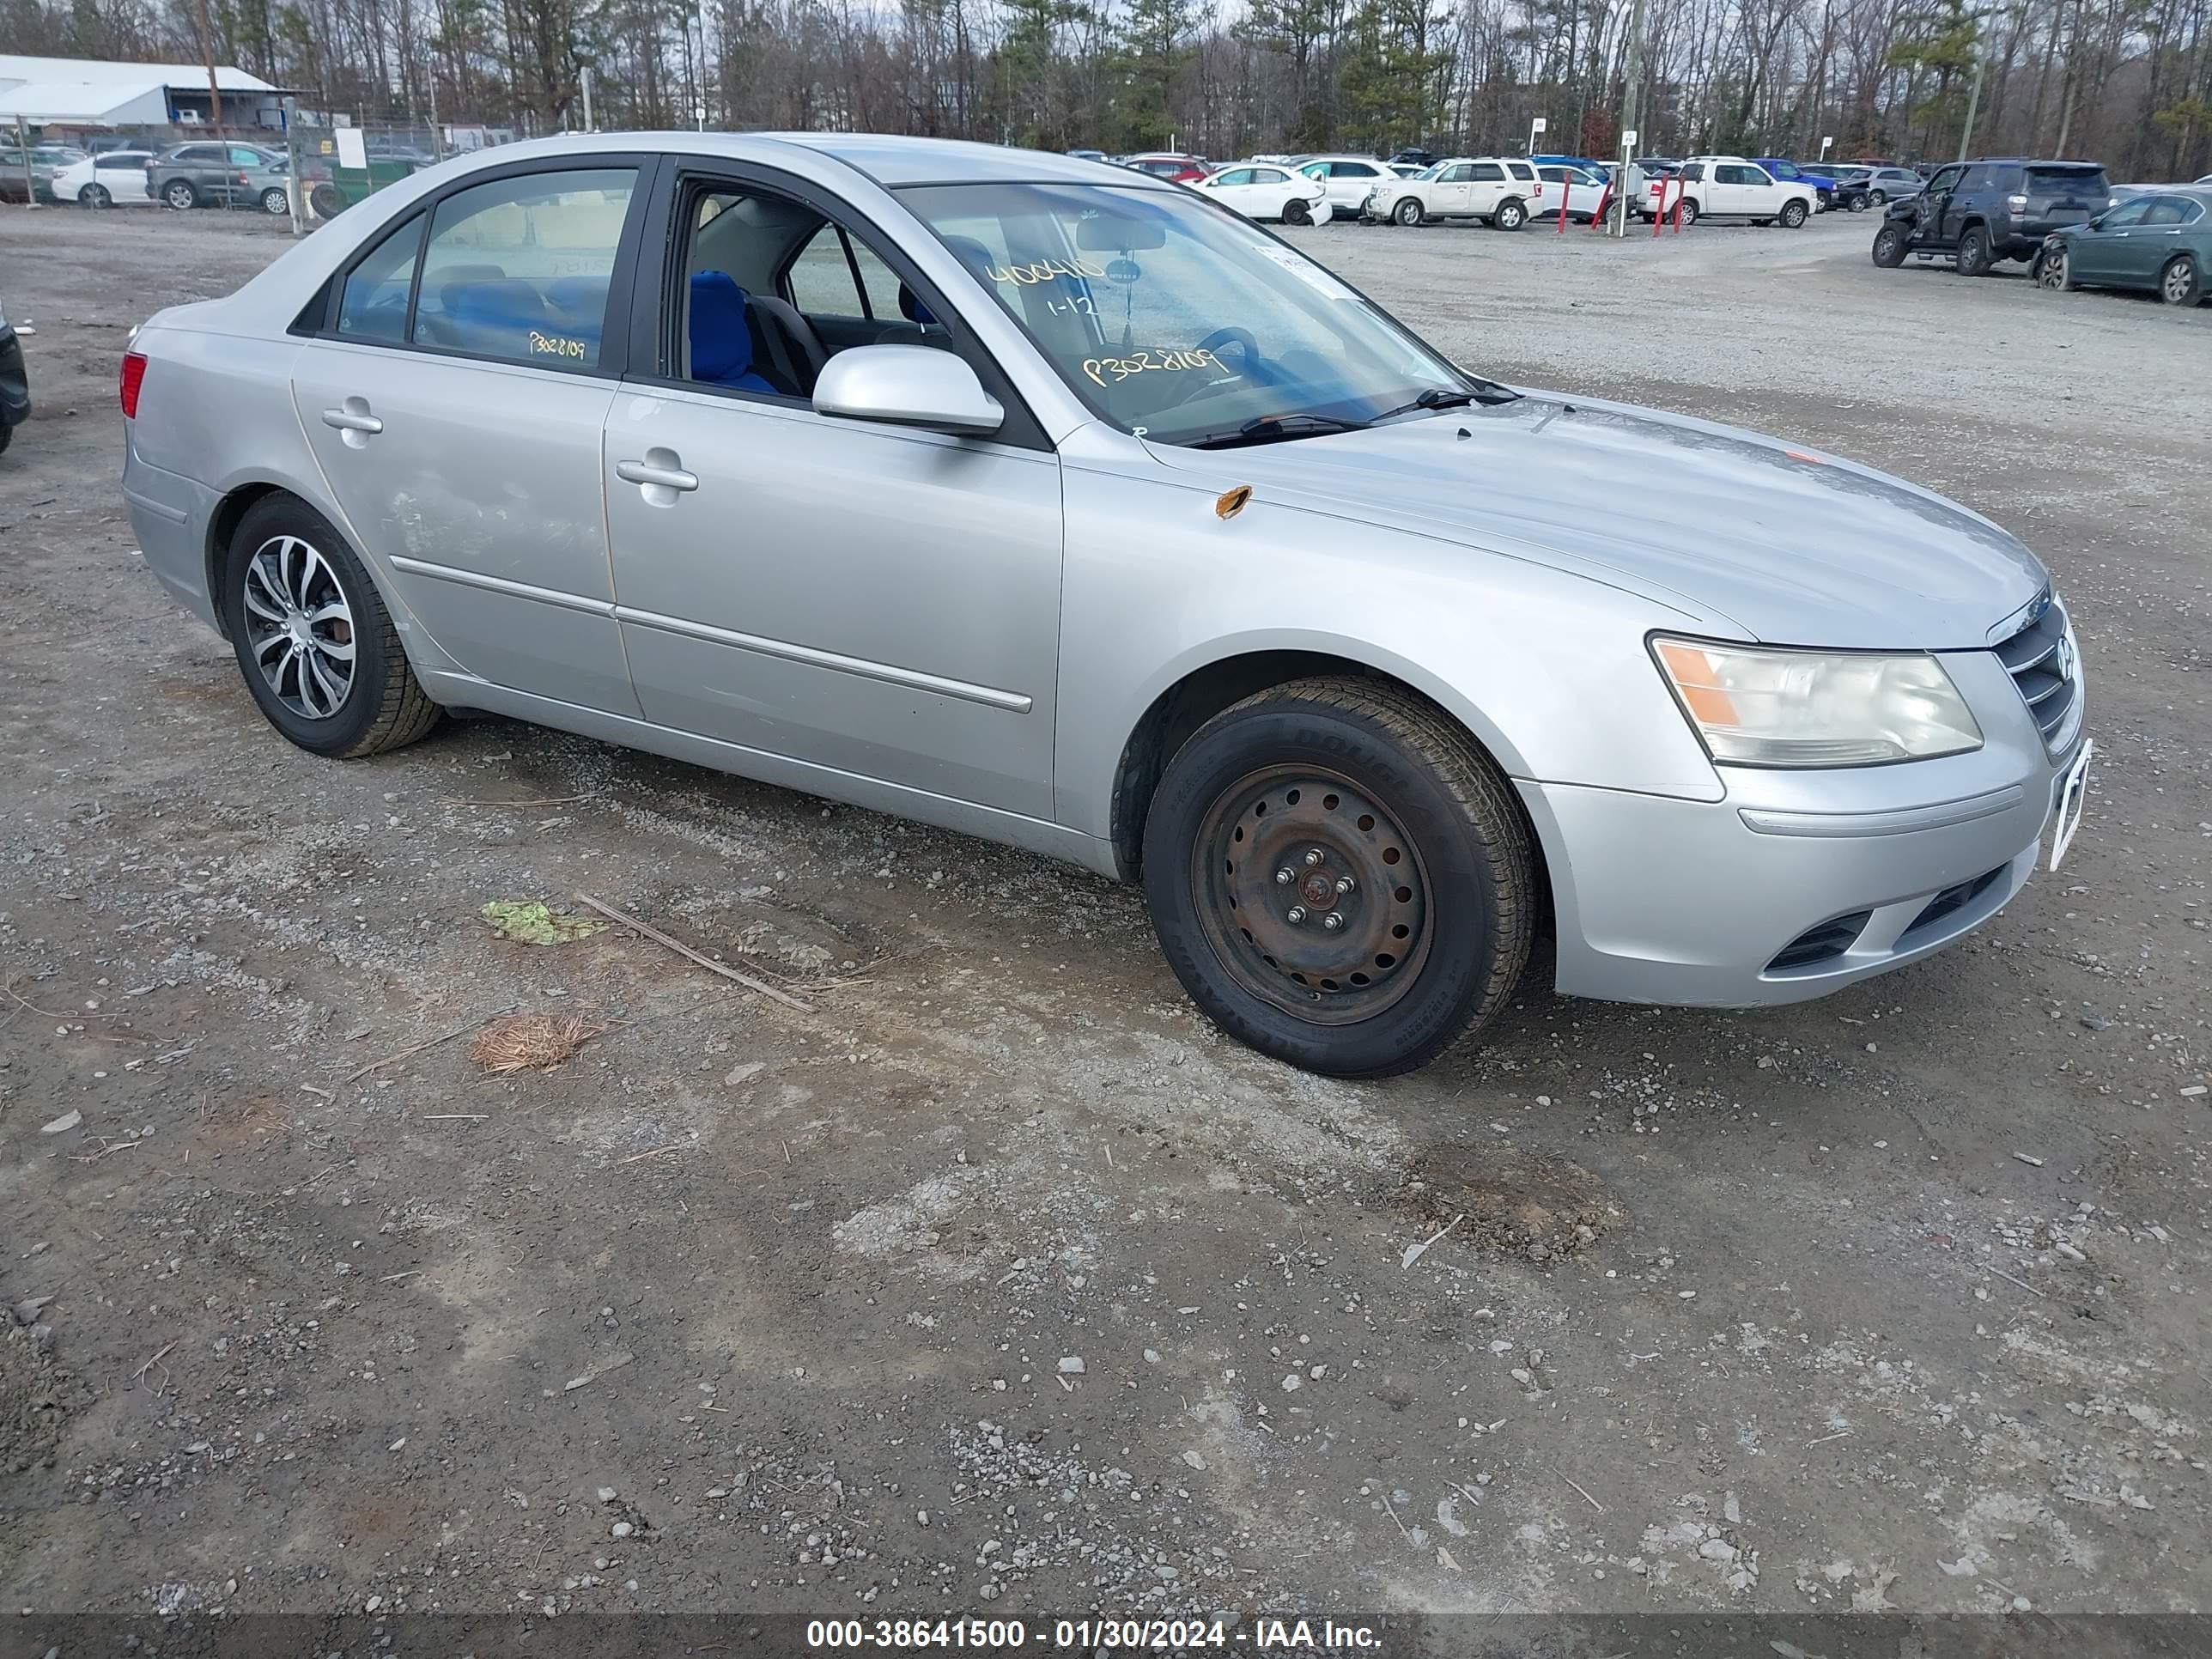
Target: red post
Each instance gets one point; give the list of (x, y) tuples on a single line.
[(1678, 213), (1567, 195), (1605, 195)]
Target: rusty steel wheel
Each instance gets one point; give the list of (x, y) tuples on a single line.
[(1315, 899), (1340, 875)]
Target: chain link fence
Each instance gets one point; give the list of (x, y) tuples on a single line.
[(310, 167)]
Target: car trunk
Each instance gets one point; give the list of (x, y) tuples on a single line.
[(2062, 196)]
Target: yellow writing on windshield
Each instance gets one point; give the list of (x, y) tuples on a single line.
[(1044, 271), (1103, 370)]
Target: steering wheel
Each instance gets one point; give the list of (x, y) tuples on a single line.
[(1240, 337)]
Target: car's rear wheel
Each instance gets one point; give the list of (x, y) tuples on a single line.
[(2181, 283), (179, 193), (1889, 247), (1974, 252), (1407, 212), (1793, 215), (95, 196), (1510, 214), (276, 200), (1686, 212), (1339, 876), (1297, 211), (1877, 198), (318, 648)]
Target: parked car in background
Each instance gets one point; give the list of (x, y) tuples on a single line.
[(1983, 211), (1824, 188), (2159, 241), (1884, 184), (1416, 159), (1175, 169), (113, 177), (1697, 714), (1349, 179), (1570, 190), (1729, 186), (206, 172), (15, 381), (1087, 155), (1260, 190), (1501, 191), (23, 175), (1585, 163), (1850, 180)]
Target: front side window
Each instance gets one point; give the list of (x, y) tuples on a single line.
[(1947, 179), (1180, 323), (518, 268)]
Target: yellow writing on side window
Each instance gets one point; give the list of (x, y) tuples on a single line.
[(1044, 271), (552, 345), (1103, 370)]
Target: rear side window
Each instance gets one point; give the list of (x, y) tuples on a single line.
[(374, 305), (518, 268), (1486, 172), (2172, 210)]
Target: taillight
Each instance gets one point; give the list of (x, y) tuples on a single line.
[(134, 376)]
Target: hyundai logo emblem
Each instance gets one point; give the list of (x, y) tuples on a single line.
[(2065, 657)]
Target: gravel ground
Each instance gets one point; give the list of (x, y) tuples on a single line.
[(994, 1280)]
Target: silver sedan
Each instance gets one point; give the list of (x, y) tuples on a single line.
[(1078, 512)]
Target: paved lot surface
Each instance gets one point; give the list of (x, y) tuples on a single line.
[(994, 1280)]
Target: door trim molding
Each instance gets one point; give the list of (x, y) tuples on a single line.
[(447, 573), (1012, 702)]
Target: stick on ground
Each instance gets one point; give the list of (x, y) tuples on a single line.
[(356, 1075), (683, 950)]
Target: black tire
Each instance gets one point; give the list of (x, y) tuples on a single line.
[(1512, 214), (1889, 247), (1974, 258), (180, 194), (327, 199), (95, 196), (1877, 198), (1856, 202), (1297, 211), (1793, 214), (383, 706), (1686, 212), (1459, 892), (276, 200), (1409, 212), (2181, 282), (7, 436)]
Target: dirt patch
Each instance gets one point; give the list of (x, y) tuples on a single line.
[(37, 1397), (1517, 1203)]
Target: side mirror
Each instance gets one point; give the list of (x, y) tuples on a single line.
[(906, 386)]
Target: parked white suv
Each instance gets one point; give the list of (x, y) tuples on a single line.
[(1730, 188), (1502, 190), (1346, 178)]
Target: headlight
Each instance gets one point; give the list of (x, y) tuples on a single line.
[(1759, 708)]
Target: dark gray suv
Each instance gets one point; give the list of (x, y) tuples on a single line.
[(212, 173), (1997, 208)]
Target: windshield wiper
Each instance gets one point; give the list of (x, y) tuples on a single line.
[(1449, 397), (1275, 428)]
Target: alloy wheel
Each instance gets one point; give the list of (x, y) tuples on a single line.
[(1313, 898), (2177, 287), (2052, 272), (299, 627)]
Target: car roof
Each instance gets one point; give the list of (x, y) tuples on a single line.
[(894, 161)]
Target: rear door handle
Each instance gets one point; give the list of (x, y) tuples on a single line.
[(651, 472), (353, 420)]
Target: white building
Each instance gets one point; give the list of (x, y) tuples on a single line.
[(82, 93)]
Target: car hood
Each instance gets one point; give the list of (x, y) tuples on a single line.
[(1794, 546)]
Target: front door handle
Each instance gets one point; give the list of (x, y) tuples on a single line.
[(650, 472)]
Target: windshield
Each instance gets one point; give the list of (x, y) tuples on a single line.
[(1177, 320)]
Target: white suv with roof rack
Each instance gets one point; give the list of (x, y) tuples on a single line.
[(1728, 186), (1501, 191)]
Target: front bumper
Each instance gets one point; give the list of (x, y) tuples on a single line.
[(1795, 884)]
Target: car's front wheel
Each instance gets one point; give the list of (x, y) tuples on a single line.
[(1793, 215), (1889, 247), (1407, 212), (178, 193), (1510, 214), (318, 650), (1339, 876), (2181, 283)]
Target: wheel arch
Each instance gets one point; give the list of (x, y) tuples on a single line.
[(241, 496)]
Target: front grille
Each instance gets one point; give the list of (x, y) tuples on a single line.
[(1956, 896), (2042, 663), (1821, 944)]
